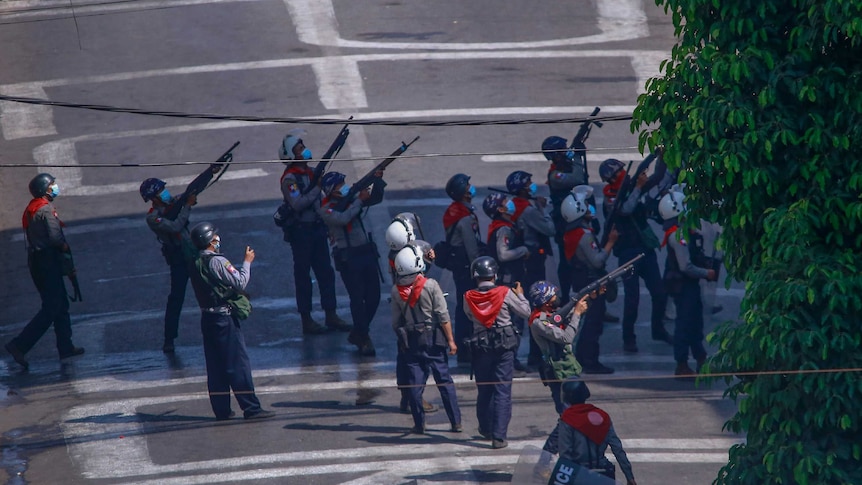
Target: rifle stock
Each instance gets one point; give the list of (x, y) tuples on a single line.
[(369, 177), (620, 272), (202, 181), (578, 142)]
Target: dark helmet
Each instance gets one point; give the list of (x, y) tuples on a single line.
[(457, 186), (518, 180), (575, 392), (330, 181), (202, 234), (541, 292), (151, 187), (40, 183), (609, 168), (484, 267), (552, 144), (492, 202)]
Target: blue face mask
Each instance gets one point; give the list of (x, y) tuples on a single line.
[(217, 245), (533, 189), (55, 190), (165, 196), (472, 191), (570, 155), (510, 207), (344, 190), (592, 210), (306, 154)]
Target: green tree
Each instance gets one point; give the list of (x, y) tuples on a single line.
[(762, 100)]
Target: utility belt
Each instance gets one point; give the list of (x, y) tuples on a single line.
[(343, 257), (416, 338), (494, 339), (218, 310)]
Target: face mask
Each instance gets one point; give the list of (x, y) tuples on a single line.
[(217, 244), (533, 189), (344, 190), (472, 191), (592, 210), (165, 196), (510, 207), (55, 190), (306, 154), (570, 155)]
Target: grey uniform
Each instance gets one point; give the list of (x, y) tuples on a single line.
[(576, 447), (505, 236), (588, 253), (303, 205), (346, 228), (45, 230), (559, 180), (683, 258), (170, 232), (514, 303), (227, 273), (534, 223), (548, 336), (430, 309), (466, 234)]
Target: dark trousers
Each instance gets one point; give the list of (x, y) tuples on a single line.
[(688, 331), (433, 361), (493, 372), (311, 252), (646, 269), (587, 348), (551, 444), (361, 277), (179, 281), (46, 271), (564, 272), (463, 326), (227, 363), (535, 271)]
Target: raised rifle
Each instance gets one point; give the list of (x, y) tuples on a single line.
[(201, 182), (369, 178), (331, 153), (578, 142), (623, 194), (624, 270)]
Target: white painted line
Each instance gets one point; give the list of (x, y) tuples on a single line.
[(592, 157), (646, 66), (17, 9), (19, 120), (127, 187), (339, 84)]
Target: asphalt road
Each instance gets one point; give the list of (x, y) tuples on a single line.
[(125, 412)]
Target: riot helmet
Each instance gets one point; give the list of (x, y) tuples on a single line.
[(202, 234), (330, 181), (518, 180), (151, 187), (484, 268), (575, 392), (541, 292), (552, 147), (409, 260), (285, 151), (609, 169), (457, 186), (492, 204), (398, 234), (39, 184), (575, 205), (672, 204)]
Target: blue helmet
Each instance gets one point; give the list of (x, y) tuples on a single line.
[(575, 392), (518, 180), (609, 169), (457, 186), (492, 202), (151, 187), (330, 181), (552, 145), (541, 292)]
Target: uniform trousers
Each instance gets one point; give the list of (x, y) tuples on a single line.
[(179, 281), (587, 347), (648, 270), (463, 326), (535, 271), (434, 361), (46, 271), (688, 331), (228, 367), (310, 250), (564, 272), (493, 372), (361, 278)]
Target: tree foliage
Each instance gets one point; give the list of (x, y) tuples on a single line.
[(762, 101)]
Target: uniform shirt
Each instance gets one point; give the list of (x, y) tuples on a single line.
[(573, 445), (430, 308), (222, 270), (535, 225), (466, 232), (513, 303), (170, 232), (293, 182), (504, 239), (559, 180), (548, 335), (586, 250), (42, 226), (678, 248), (346, 228)]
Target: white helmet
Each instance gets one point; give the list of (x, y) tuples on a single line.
[(575, 205), (672, 204), (409, 261), (399, 234), (285, 151)]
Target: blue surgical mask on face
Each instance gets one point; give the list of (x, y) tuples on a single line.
[(472, 191), (55, 190), (592, 210), (306, 154), (510, 207), (217, 245), (533, 188), (165, 196), (344, 190)]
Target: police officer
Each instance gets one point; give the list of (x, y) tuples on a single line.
[(537, 230), (176, 248), (462, 232), (306, 233), (421, 321), (355, 254), (685, 266), (588, 264), (48, 257), (636, 237), (490, 308), (215, 282)]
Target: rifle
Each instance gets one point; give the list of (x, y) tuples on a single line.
[(623, 194), (621, 272), (493, 189), (69, 271), (369, 178), (201, 182), (331, 153), (580, 138)]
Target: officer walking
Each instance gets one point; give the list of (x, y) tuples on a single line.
[(306, 233), (49, 258), (355, 254), (176, 248), (588, 264), (686, 265), (420, 319), (219, 288), (636, 237), (490, 308), (462, 233)]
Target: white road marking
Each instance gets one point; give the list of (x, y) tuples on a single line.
[(26, 9), (19, 120)]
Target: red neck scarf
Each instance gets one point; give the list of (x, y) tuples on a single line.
[(534, 315), (571, 239), (520, 204), (30, 211), (612, 189), (454, 213), (486, 305), (413, 290), (297, 170), (668, 233), (494, 225), (591, 421)]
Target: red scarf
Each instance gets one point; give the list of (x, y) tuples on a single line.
[(668, 233), (571, 239), (591, 421), (496, 224), (454, 213), (297, 170), (612, 189), (520, 204), (533, 316), (486, 305), (413, 290), (30, 212)]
